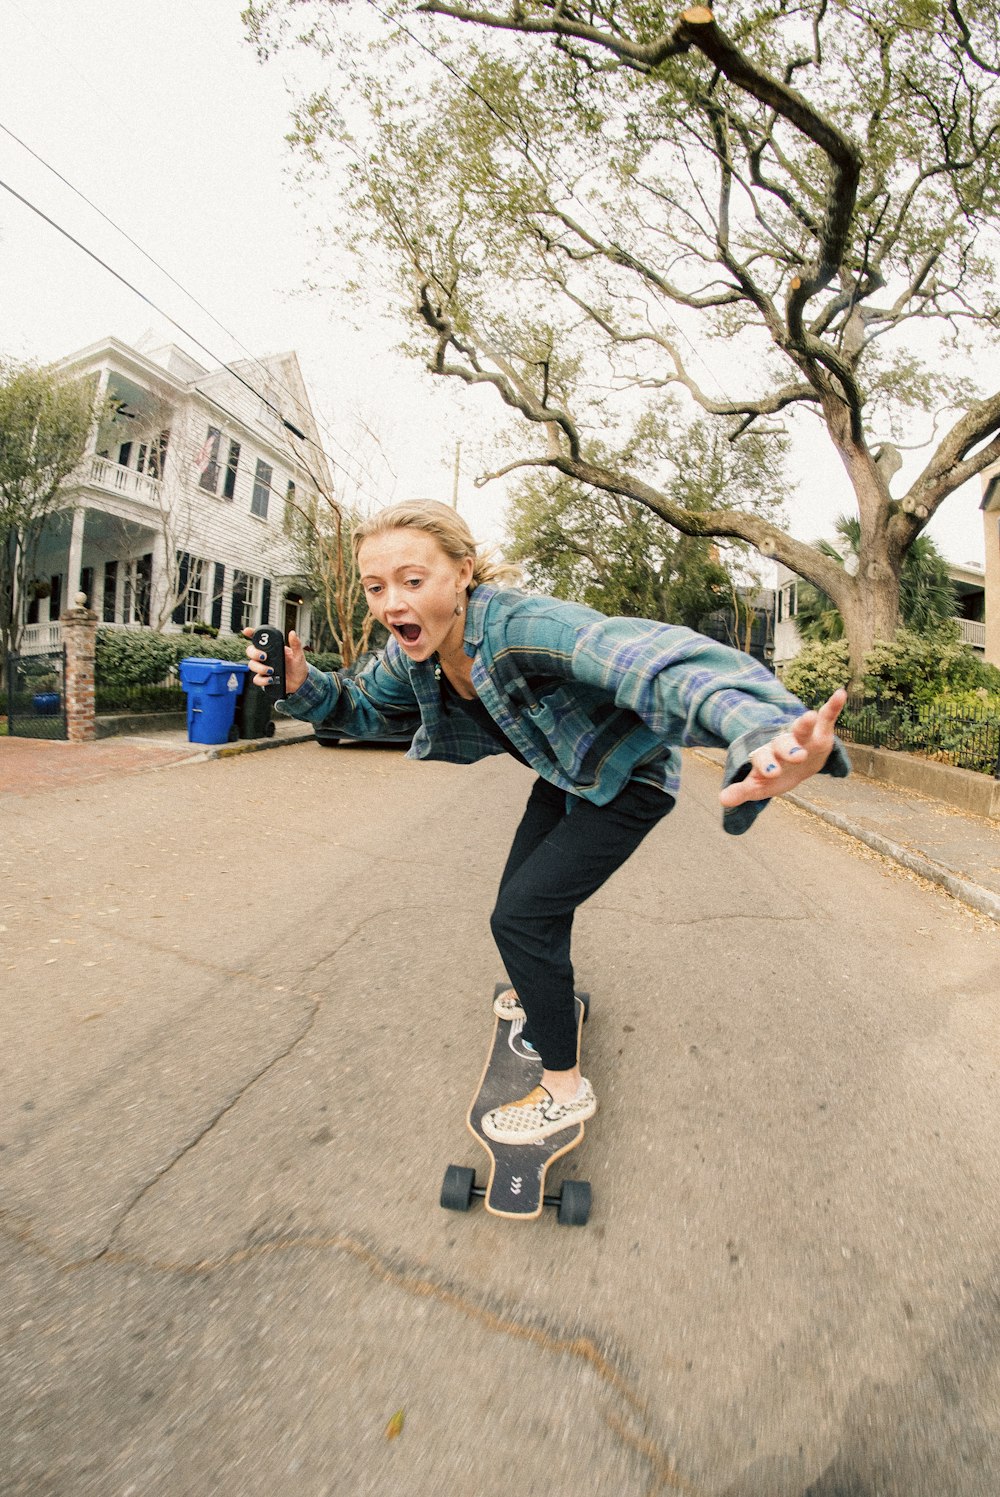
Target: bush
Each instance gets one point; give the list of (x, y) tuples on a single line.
[(226, 647), (921, 667), (133, 699), (132, 657), (129, 658), (324, 660), (817, 671)]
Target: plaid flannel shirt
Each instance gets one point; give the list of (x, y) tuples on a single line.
[(591, 702)]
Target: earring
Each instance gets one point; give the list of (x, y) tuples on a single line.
[(458, 605)]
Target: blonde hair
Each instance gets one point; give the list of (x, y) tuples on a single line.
[(449, 530)]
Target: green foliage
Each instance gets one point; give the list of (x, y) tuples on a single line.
[(324, 660), (132, 657), (921, 667), (620, 557), (225, 647), (128, 658), (927, 595), (912, 668), (817, 671), (139, 699), (44, 423)]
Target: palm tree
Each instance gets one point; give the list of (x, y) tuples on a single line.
[(926, 592)]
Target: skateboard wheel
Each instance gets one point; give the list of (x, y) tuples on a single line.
[(456, 1191), (574, 1203)]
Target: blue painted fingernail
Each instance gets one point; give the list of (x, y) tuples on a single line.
[(799, 750), (770, 767)]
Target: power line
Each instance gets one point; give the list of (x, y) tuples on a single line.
[(254, 358)]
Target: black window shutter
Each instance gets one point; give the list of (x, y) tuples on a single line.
[(182, 582), (239, 594), (217, 589), (265, 604)]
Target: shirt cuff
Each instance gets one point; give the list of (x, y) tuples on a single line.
[(738, 819), (315, 698)]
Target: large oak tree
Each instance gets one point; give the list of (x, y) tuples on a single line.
[(785, 212)]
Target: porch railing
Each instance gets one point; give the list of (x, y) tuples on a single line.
[(38, 639), (105, 474), (972, 633)]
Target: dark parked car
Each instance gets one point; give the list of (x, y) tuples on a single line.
[(329, 737)]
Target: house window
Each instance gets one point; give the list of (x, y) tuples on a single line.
[(261, 489), (125, 454), (87, 584), (788, 601), (246, 602), (207, 461), (153, 455), (110, 591), (194, 597), (232, 463), (141, 579)]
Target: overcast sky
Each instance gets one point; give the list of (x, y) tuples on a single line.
[(161, 115)]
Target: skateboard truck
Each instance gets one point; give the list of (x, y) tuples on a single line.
[(572, 1202)]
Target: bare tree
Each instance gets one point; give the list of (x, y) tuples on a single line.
[(589, 206)]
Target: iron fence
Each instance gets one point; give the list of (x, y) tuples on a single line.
[(967, 737), (36, 695)]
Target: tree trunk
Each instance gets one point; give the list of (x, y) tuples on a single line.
[(870, 612)]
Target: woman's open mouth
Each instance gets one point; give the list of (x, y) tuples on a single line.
[(408, 633)]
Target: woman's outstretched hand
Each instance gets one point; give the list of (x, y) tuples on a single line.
[(296, 669), (791, 756)]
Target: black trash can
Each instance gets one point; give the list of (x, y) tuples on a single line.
[(253, 712)]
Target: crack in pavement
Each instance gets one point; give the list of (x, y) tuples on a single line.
[(233, 1101), (581, 1346)]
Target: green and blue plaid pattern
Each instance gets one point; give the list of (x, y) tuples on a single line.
[(591, 702)]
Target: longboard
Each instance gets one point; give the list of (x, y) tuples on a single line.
[(516, 1185)]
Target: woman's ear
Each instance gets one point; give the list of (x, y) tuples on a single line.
[(465, 572)]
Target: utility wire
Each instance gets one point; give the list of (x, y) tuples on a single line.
[(254, 358)]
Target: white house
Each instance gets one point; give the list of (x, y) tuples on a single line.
[(183, 507), (990, 507), (971, 583)]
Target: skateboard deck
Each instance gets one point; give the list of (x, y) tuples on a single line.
[(516, 1185)]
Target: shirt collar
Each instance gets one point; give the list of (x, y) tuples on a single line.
[(475, 618)]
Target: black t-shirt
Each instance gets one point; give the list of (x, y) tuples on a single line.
[(473, 707)]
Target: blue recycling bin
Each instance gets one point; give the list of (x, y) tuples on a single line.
[(212, 688)]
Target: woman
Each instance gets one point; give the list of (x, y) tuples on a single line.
[(595, 706)]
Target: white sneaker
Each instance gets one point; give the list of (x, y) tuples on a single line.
[(538, 1116), (508, 1006)]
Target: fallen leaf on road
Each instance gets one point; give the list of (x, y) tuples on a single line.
[(395, 1426)]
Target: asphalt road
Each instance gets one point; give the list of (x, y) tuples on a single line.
[(245, 1003)]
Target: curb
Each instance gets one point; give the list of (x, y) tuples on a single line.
[(973, 895), (983, 901), (256, 745)]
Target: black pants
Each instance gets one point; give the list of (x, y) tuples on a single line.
[(558, 859)]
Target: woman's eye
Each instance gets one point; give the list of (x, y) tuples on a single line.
[(372, 589), (414, 581)]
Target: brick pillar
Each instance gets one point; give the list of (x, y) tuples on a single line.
[(79, 626)]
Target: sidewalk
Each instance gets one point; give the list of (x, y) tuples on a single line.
[(952, 848), (32, 766)]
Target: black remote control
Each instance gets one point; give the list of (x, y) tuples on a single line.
[(272, 642)]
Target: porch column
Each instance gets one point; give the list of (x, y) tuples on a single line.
[(79, 635), (75, 563)]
